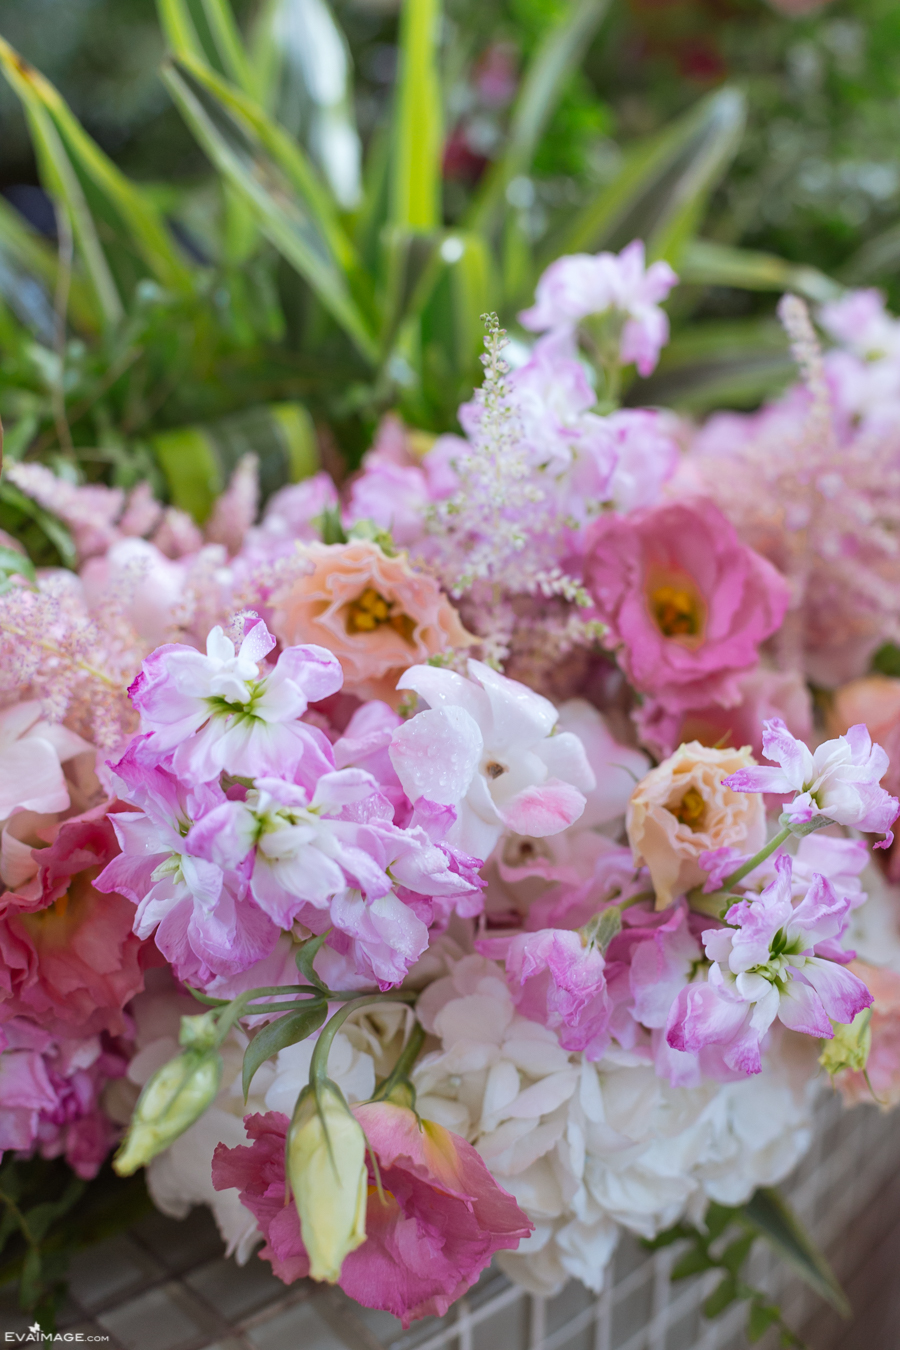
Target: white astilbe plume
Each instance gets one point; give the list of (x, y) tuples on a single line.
[(825, 509), (502, 526)]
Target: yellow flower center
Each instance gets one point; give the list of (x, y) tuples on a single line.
[(691, 810), (371, 611), (676, 612)]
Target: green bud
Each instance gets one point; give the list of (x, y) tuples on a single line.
[(200, 1032), (851, 1045), (326, 1164), (176, 1096)]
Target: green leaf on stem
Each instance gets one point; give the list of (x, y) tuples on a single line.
[(288, 1030), (721, 1297), (305, 957), (770, 1215)]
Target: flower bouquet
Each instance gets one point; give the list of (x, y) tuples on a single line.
[(476, 857)]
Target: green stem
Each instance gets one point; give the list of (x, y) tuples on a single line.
[(408, 1056), (318, 1069), (765, 852)]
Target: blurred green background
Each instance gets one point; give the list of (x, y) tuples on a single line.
[(298, 223)]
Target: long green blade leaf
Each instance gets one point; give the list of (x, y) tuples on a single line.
[(288, 1030), (227, 37), (61, 181), (556, 58), (271, 174), (178, 27), (709, 264), (661, 190), (736, 363), (417, 132), (146, 228), (770, 1215), (33, 265)]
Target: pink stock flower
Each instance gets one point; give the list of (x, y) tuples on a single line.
[(687, 604), (376, 614), (50, 1095), (441, 1219), (204, 922), (69, 956), (581, 284), (840, 780), (219, 711), (766, 965), (397, 483), (485, 747), (561, 983), (335, 860), (874, 700)]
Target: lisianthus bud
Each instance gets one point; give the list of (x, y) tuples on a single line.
[(176, 1095), (851, 1045), (326, 1164)]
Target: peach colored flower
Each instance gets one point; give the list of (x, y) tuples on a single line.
[(875, 700), (681, 809), (883, 1066), (376, 614)]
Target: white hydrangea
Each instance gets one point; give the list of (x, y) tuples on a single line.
[(587, 1148)]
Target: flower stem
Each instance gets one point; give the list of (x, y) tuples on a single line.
[(408, 1056), (765, 852), (318, 1069)]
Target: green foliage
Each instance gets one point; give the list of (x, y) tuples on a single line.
[(47, 1214), (725, 1241), (175, 322)]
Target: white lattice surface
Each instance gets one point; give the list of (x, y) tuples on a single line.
[(167, 1286)]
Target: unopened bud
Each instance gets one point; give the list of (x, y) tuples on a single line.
[(326, 1164), (849, 1049), (200, 1032), (176, 1096)]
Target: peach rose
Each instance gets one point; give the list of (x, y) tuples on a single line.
[(883, 1067), (681, 809), (375, 613), (875, 700)]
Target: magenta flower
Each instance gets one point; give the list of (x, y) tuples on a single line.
[(220, 711), (767, 964), (581, 284), (840, 780), (687, 604), (441, 1219)]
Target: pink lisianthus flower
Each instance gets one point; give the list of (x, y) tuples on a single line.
[(840, 780), (485, 747), (49, 1095), (219, 711), (32, 752), (204, 922), (68, 956), (766, 964), (440, 1222), (686, 603), (581, 284), (561, 983)]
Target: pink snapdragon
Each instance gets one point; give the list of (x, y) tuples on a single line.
[(485, 747), (840, 780), (221, 711), (432, 1225), (766, 965), (581, 284)]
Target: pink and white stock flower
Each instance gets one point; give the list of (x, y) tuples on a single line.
[(222, 711), (581, 284), (840, 780), (485, 746), (766, 965)]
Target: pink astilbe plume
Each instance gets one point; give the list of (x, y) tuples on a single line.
[(822, 506), (77, 662)]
